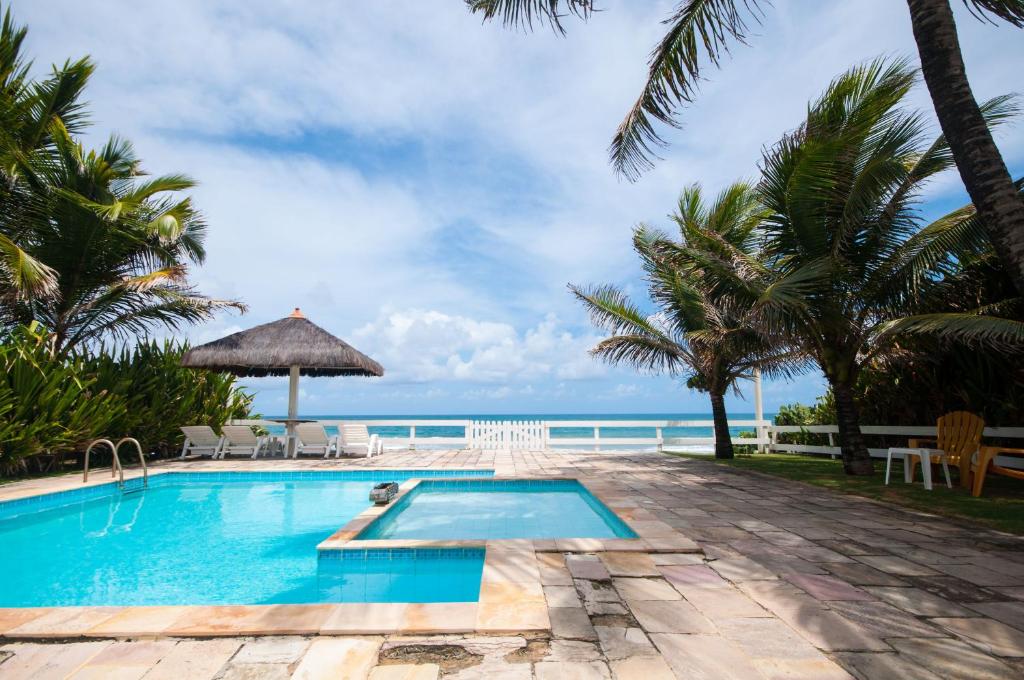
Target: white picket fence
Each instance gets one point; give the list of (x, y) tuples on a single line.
[(507, 435)]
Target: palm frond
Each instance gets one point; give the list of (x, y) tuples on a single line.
[(972, 329), (698, 30), (523, 13), (25, 276), (1007, 10)]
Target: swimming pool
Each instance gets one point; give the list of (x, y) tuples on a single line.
[(498, 509), (217, 538)]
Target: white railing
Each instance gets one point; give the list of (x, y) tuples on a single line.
[(537, 434), (909, 431)]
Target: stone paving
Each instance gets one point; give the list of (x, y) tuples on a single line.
[(792, 582)]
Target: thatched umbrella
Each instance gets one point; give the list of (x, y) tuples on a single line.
[(291, 346)]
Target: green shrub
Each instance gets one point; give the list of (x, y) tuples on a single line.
[(161, 395), (48, 406), (822, 412), (54, 405)]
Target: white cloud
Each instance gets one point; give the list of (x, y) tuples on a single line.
[(428, 345)]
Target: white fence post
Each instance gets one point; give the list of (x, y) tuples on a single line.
[(660, 438)]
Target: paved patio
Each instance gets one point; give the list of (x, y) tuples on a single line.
[(792, 582)]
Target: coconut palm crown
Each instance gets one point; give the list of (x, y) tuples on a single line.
[(712, 342), (841, 197)]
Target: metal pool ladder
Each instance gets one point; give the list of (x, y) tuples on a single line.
[(116, 467)]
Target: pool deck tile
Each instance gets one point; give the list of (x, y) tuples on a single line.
[(364, 617), (13, 617), (338, 658), (280, 619), (137, 621), (63, 622), (511, 617), (440, 617)]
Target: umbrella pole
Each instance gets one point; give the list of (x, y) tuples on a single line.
[(293, 406)]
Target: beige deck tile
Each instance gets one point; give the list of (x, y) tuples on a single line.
[(137, 622), (951, 659), (579, 544), (629, 564), (704, 657), (124, 660), (724, 603), (512, 617), (768, 639), (623, 643), (884, 666), (676, 559), (284, 649), (802, 669), (667, 616), (741, 569), (572, 670), (338, 659), (891, 564), (677, 543), (426, 671), (194, 659), (281, 619), (645, 589), (918, 602), (562, 596), (507, 593), (440, 617), (571, 623), (993, 636), (587, 567), (364, 617), (33, 661), (642, 668), (510, 568), (14, 617), (63, 622)]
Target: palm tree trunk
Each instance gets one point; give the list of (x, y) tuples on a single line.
[(723, 440), (856, 459), (981, 166)]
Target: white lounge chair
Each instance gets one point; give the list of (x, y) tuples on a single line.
[(201, 440), (313, 438), (240, 439), (355, 438)]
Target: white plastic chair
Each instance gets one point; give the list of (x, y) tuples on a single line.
[(313, 438), (240, 439), (201, 440), (355, 438)]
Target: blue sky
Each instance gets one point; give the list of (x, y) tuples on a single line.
[(425, 186)]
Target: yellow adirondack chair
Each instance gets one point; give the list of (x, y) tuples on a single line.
[(959, 437)]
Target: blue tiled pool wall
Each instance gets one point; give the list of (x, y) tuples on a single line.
[(48, 501), (400, 575), (620, 528)]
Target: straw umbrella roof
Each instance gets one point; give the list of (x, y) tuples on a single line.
[(272, 348)]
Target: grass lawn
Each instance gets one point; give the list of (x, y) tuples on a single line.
[(1001, 506)]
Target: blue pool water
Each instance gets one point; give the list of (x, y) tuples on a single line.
[(216, 538), (458, 510)]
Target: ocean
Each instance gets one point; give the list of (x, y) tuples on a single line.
[(396, 432)]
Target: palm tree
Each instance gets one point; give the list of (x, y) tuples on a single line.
[(713, 342), (700, 32), (841, 195), (30, 112), (119, 244)]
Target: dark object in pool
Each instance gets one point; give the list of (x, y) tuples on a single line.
[(382, 493)]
